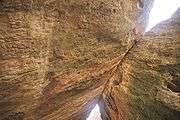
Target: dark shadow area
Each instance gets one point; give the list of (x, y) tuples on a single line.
[(173, 70), (15, 116), (174, 85)]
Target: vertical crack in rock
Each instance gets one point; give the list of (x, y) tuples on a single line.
[(59, 58), (106, 97), (120, 62)]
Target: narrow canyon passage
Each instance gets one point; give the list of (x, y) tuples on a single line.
[(89, 60)]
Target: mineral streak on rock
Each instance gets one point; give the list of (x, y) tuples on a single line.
[(59, 58)]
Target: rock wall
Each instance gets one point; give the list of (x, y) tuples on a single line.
[(58, 58), (149, 78)]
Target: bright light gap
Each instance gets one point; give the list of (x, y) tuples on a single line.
[(95, 114), (162, 10)]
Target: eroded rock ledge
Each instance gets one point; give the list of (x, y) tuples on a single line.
[(58, 58)]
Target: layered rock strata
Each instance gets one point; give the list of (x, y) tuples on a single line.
[(59, 58)]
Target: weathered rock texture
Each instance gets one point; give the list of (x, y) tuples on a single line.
[(150, 77), (58, 58)]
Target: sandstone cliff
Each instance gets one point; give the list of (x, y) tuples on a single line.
[(59, 58)]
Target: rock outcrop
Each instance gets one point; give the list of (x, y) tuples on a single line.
[(59, 58)]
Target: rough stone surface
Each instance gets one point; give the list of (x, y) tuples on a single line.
[(150, 78), (58, 58)]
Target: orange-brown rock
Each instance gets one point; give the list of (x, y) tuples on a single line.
[(59, 58)]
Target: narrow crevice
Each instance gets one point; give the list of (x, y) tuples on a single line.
[(134, 44), (122, 60)]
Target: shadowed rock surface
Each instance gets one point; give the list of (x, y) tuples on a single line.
[(59, 58)]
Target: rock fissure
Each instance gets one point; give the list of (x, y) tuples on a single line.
[(58, 59)]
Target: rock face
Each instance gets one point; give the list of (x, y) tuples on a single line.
[(59, 58), (150, 78)]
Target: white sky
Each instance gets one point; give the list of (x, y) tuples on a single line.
[(162, 10), (95, 114)]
